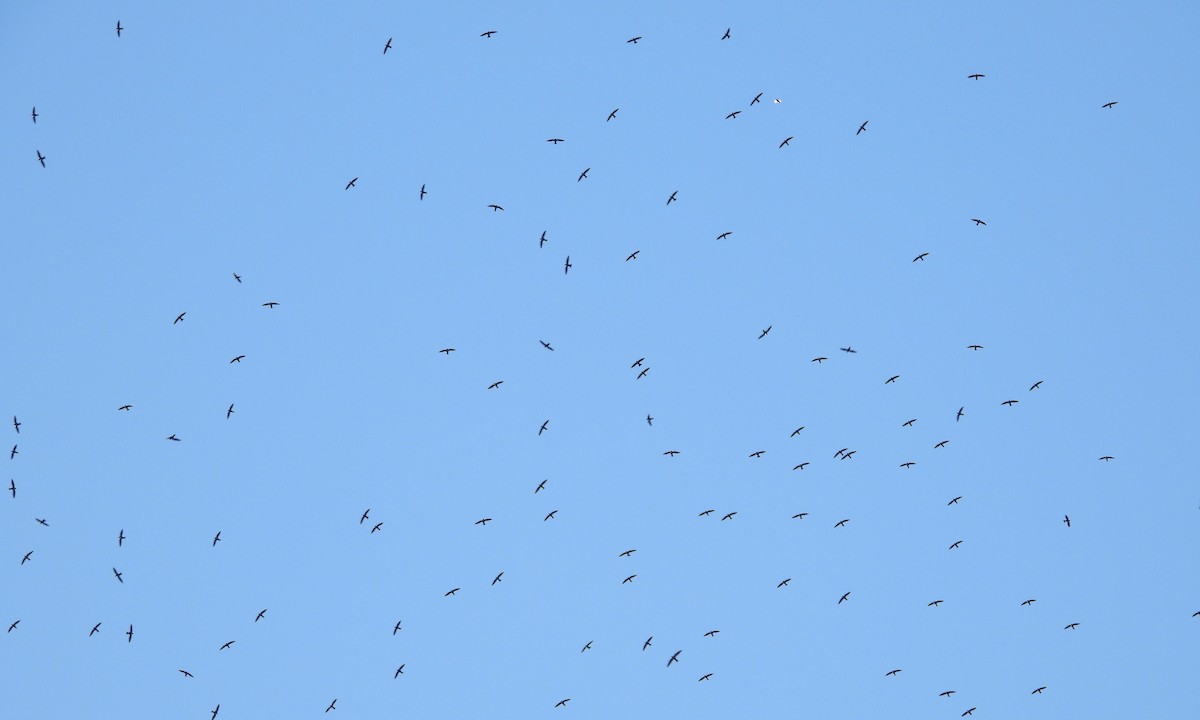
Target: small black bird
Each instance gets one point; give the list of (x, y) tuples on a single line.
[(399, 671), (978, 222), (95, 629), (935, 603), (892, 379), (582, 175), (786, 140), (351, 183), (724, 235), (378, 527), (497, 578), (567, 265), (387, 46), (633, 40), (848, 349), (705, 677), (629, 579), (1067, 520), (451, 592), (487, 34), (12, 487), (555, 141), (229, 411), (587, 647), (628, 553), (118, 576), (612, 114), (270, 306), (674, 658), (733, 114), (227, 645), (764, 332), (755, 99), (41, 158), (26, 558), (260, 615), (331, 705), (34, 114), (179, 318), (1072, 626), (948, 693), (423, 193), (975, 347), (215, 710), (366, 514), (1038, 691), (187, 674), (120, 537), (546, 345), (893, 672), (649, 420), (125, 407), (397, 628), (237, 277), (562, 703), (960, 414), (129, 633), (632, 256), (119, 28), (42, 521), (862, 128), (844, 598), (976, 76), (642, 374), (542, 240), (707, 512), (542, 429), (495, 385), (921, 257), (1109, 104), (550, 515), (1035, 386), (14, 625), (672, 198), (216, 538), (14, 453), (726, 35), (16, 425), (541, 486), (647, 643), (783, 583), (483, 521)]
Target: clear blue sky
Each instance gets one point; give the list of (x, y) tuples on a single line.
[(217, 138)]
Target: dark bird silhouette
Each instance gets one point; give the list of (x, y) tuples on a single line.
[(12, 487), (756, 99), (801, 466), (397, 628), (422, 195), (179, 318), (1038, 691), (733, 114), (819, 360), (909, 423), (800, 516), (215, 710), (839, 453), (549, 515), (562, 703), (377, 528), (1010, 403), (892, 379), (942, 444), (331, 705), (1106, 458), (227, 645), (1067, 520), (399, 671), (129, 633), (387, 46), (848, 349), (948, 693), (41, 158), (497, 578), (119, 28), (726, 35), (1030, 601), (1072, 626), (1109, 104), (922, 257), (674, 658), (636, 363), (729, 516), (724, 235), (546, 345), (125, 407), (976, 76), (12, 454), (842, 522), (446, 351), (542, 429), (270, 306), (797, 431), (483, 521), (487, 34), (95, 629), (642, 374), (495, 208), (582, 175), (960, 414), (542, 241), (612, 114), (34, 115), (844, 598), (935, 603), (633, 40), (1035, 386), (764, 332), (711, 633), (555, 141), (956, 544), (587, 647), (783, 583), (907, 464), (628, 553), (786, 141), (567, 265), (632, 256), (968, 712), (14, 625), (216, 538), (541, 486), (649, 420), (893, 672), (366, 514), (671, 453), (862, 128), (705, 677), (495, 385), (647, 643), (451, 592), (260, 615), (629, 579), (120, 537), (977, 221), (237, 277), (236, 359), (42, 521), (27, 556), (351, 183), (672, 198), (229, 411), (118, 575), (757, 454), (707, 512), (16, 425)]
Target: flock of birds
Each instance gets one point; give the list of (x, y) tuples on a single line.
[(642, 370)]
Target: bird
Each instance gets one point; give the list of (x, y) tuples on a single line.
[(567, 265), (756, 99), (562, 703), (14, 625), (729, 516), (179, 318), (42, 521), (26, 558), (229, 411), (844, 598), (649, 420), (397, 628), (629, 579), (215, 710), (848, 349), (1030, 601), (1035, 386), (331, 705), (907, 464), (841, 523), (129, 633), (800, 516), (1067, 520), (188, 674), (541, 486), (227, 645), (236, 359), (968, 712), (711, 633), (387, 46), (542, 429), (956, 544), (216, 538), (95, 629), (118, 576), (862, 128), (378, 526), (707, 512), (495, 385), (819, 360), (726, 35), (546, 345), (757, 454), (672, 198), (41, 158), (897, 671), (423, 193), (783, 583), (976, 76), (705, 677), (674, 658), (909, 423), (733, 114), (764, 332), (119, 28), (947, 693), (724, 235), (1109, 104), (16, 425), (582, 175), (633, 40), (786, 141), (797, 431), (954, 501), (978, 222), (960, 414), (840, 452), (587, 647), (446, 351), (647, 643), (125, 407), (495, 208), (628, 553), (12, 487), (632, 256), (237, 277), (451, 592), (487, 34), (542, 240), (399, 671), (483, 521), (366, 514), (13, 453), (120, 537), (801, 466), (892, 379), (270, 305), (642, 374), (935, 603), (497, 578), (636, 363), (1106, 458), (942, 444), (612, 114), (1010, 403), (1072, 626), (671, 453), (34, 115), (351, 183), (549, 516), (1038, 691), (921, 257), (260, 615)]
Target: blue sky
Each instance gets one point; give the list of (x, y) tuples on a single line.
[(217, 138)]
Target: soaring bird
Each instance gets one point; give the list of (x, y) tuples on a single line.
[(862, 128), (542, 429), (628, 553), (1038, 691), (819, 360), (892, 379), (129, 633), (16, 425), (26, 558), (227, 645), (844, 598), (642, 374), (237, 277), (34, 115), (783, 583), (179, 318), (942, 444), (755, 99), (848, 349), (387, 46), (894, 672), (42, 521), (95, 629), (366, 514), (842, 523), (729, 516), (1010, 403), (636, 363), (1106, 458), (550, 515), (956, 544), (587, 647), (125, 407), (1067, 520), (483, 521), (726, 35), (229, 411), (968, 712), (495, 208), (562, 703), (399, 671), (542, 240), (215, 710), (546, 345), (757, 453), (1072, 626), (119, 28), (909, 423), (397, 628), (711, 633), (447, 351), (801, 466), (331, 705), (647, 643), (118, 575), (671, 453), (935, 603), (14, 625), (672, 198), (351, 183), (497, 578), (487, 34), (260, 615), (707, 512), (948, 693), (120, 537), (541, 486), (451, 592), (978, 222), (976, 76), (495, 385), (629, 579), (12, 487), (567, 265), (378, 526), (41, 158), (797, 431), (1030, 601), (1035, 386), (270, 305), (423, 193), (216, 538), (724, 235), (649, 420), (1109, 104), (705, 677), (733, 114), (612, 114), (632, 256), (764, 332), (582, 175), (633, 40), (786, 140), (674, 658), (960, 414), (921, 257), (236, 359), (800, 516)]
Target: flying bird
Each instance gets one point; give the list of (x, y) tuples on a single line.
[(942, 444), (975, 347), (451, 592), (629, 579), (216, 538), (862, 128), (351, 183), (497, 578), (587, 647), (705, 677), (26, 558), (1067, 520), (237, 359), (976, 76), (1030, 601), (120, 537), (893, 672), (378, 527), (1038, 691), (756, 99), (542, 241), (632, 256), (707, 512), (542, 429), (34, 115), (711, 633), (978, 222), (483, 521), (633, 40), (1035, 386), (956, 544), (237, 277), (726, 35), (783, 583), (1074, 625), (125, 407), (786, 141), (647, 643), (495, 208), (671, 453), (892, 379), (42, 521), (819, 360), (921, 257), (397, 628), (446, 351), (674, 658), (764, 332), (270, 305), (733, 114), (844, 598), (541, 486), (729, 516), (546, 345), (910, 422), (487, 34), (423, 193), (119, 28), (935, 603), (800, 516), (16, 425), (227, 645), (129, 633), (628, 553), (1010, 403), (495, 385), (554, 141), (1106, 458), (672, 198), (331, 705), (801, 466), (968, 712), (260, 614), (724, 235), (907, 464), (636, 363), (14, 625), (612, 114), (960, 414), (229, 411), (649, 420), (948, 693), (642, 374), (12, 487), (41, 158), (563, 702), (842, 523), (549, 516), (582, 175), (848, 349), (366, 514), (1109, 104), (387, 46), (399, 671), (215, 710), (118, 575), (179, 318), (567, 265), (797, 431), (95, 629), (757, 453)]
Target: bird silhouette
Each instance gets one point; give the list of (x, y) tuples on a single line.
[(955, 500), (729, 516), (842, 523), (16, 425), (95, 629), (42, 521), (129, 633), (422, 195), (587, 647), (1074, 625), (549, 516), (567, 265), (331, 705), (978, 222), (27, 556), (862, 128), (34, 115), (733, 114), (947, 693), (647, 643), (541, 486), (1067, 520), (41, 158), (672, 198), (1038, 691), (118, 576), (628, 553), (229, 411), (633, 40), (542, 241), (260, 615), (844, 598), (227, 645), (1109, 104), (891, 380), (726, 35), (351, 183), (451, 592), (956, 544), (629, 579), (397, 627), (890, 673), (120, 538), (387, 46), (632, 256), (786, 141), (497, 578), (755, 99), (705, 677), (921, 257), (216, 538), (674, 658), (582, 175), (119, 28), (399, 671), (764, 332), (495, 208), (935, 603), (1035, 386), (179, 318), (542, 429), (976, 76), (378, 526), (612, 114), (546, 345), (1030, 601), (783, 583), (483, 521), (562, 703), (487, 34), (238, 278)]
